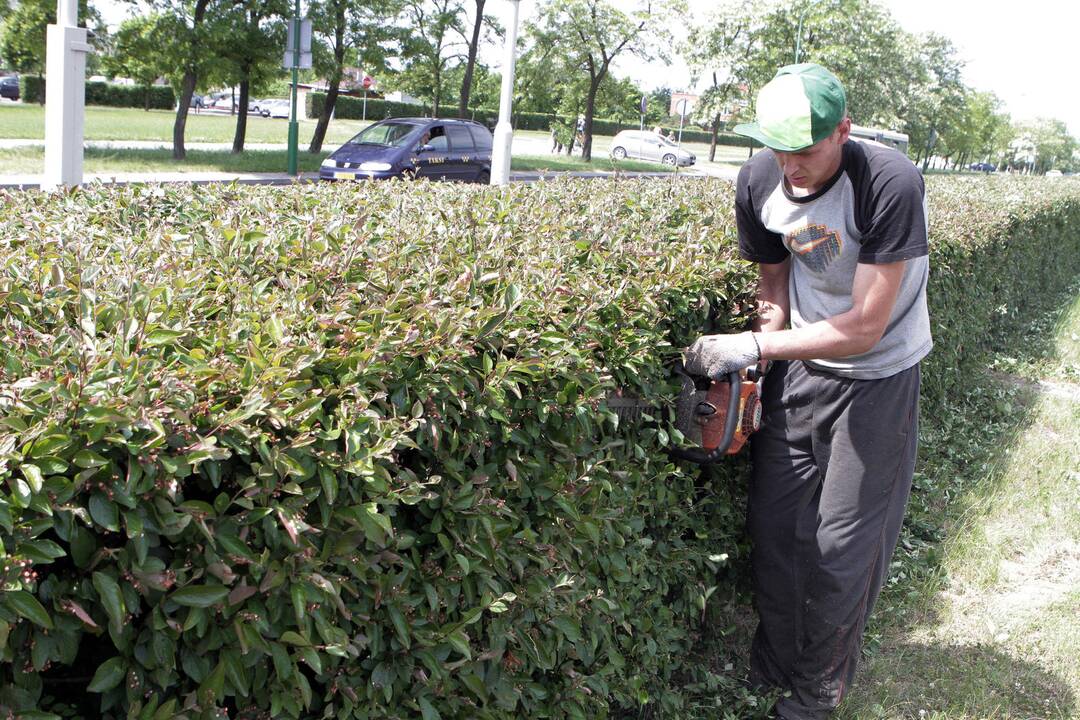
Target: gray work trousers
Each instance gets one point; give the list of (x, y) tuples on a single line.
[(832, 469)]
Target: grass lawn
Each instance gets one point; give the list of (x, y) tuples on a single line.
[(994, 634), (22, 121), (30, 160)]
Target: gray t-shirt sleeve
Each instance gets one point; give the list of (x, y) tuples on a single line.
[(757, 179), (891, 202)]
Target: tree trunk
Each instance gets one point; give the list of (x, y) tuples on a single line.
[(146, 98), (324, 115), (187, 89), (335, 81), (712, 139), (437, 75), (590, 108), (466, 83), (242, 115)]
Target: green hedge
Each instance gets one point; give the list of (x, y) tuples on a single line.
[(32, 89), (342, 451), (352, 108), (282, 454)]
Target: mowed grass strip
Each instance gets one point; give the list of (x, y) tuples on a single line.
[(27, 121), (30, 160), (996, 635)]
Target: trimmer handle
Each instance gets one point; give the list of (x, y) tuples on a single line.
[(731, 423)]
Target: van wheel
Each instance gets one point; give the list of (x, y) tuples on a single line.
[(484, 178), (669, 159), (619, 153)]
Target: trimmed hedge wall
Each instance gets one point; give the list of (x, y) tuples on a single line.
[(342, 450), (32, 89), (353, 109)]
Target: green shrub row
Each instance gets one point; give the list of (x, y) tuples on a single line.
[(342, 450), (353, 109), (157, 97)]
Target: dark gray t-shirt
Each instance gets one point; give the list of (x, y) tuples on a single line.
[(872, 211)]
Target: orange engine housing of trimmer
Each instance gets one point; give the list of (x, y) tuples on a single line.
[(711, 413), (714, 419)]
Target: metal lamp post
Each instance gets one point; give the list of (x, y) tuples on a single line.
[(504, 131), (294, 126), (798, 34), (65, 98)]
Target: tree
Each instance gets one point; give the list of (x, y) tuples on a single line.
[(138, 52), (22, 40), (723, 48), (590, 34), (366, 27), (936, 102), (429, 48), (857, 39), (1054, 146), (247, 39), (22, 36), (191, 24), (479, 21)]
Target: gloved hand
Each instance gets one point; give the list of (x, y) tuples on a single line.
[(716, 356)]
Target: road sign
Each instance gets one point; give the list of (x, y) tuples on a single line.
[(368, 82), (305, 45), (683, 107), (644, 104)]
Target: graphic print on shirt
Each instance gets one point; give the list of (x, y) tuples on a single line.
[(815, 246)]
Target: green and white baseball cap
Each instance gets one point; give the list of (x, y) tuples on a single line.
[(800, 106)]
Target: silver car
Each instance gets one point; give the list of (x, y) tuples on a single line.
[(647, 145)]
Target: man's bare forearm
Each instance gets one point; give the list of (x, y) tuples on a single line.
[(772, 298)]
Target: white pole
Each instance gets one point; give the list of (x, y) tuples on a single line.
[(504, 132), (65, 98)]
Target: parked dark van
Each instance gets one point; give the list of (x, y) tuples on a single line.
[(9, 87), (414, 147)]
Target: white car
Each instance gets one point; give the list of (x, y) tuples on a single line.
[(276, 108), (647, 145)]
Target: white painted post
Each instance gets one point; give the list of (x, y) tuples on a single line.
[(65, 98), (504, 131)]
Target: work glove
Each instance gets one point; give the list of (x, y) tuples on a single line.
[(716, 356)]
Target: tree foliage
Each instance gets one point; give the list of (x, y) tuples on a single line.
[(432, 44), (22, 34), (140, 51), (585, 36)]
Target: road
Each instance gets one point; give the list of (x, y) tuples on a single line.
[(523, 145)]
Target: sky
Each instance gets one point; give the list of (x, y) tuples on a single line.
[(1023, 54)]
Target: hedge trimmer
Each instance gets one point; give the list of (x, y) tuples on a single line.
[(718, 416)]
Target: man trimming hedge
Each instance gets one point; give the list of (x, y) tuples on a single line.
[(838, 229)]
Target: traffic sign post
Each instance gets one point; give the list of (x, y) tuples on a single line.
[(297, 55), (643, 107), (367, 82), (683, 108)]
